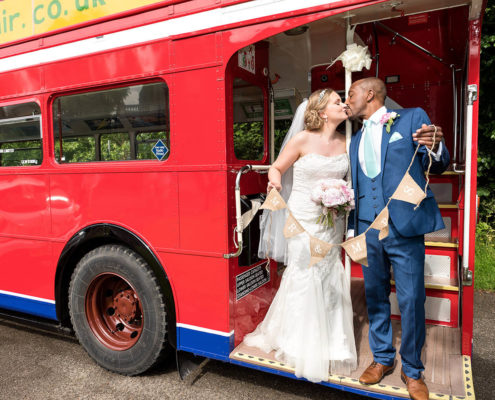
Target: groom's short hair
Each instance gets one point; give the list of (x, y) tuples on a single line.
[(377, 85)]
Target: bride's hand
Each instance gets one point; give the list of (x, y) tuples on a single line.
[(272, 185)]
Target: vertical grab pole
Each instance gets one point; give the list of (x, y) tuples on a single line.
[(348, 129)]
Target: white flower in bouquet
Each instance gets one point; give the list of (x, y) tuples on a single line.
[(334, 196)]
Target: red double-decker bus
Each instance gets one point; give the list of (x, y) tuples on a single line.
[(133, 137)]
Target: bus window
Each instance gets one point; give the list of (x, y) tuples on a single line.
[(113, 124), (76, 149), (249, 129), (20, 135), (115, 146), (145, 142)]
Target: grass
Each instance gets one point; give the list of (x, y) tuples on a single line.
[(485, 258)]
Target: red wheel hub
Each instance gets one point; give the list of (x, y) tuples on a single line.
[(114, 311)]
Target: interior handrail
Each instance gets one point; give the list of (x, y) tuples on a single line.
[(238, 214)]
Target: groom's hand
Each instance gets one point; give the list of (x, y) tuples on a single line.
[(424, 136)]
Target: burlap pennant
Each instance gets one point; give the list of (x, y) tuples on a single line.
[(274, 201), (356, 249), (408, 190), (292, 227), (319, 249), (248, 216), (381, 223)]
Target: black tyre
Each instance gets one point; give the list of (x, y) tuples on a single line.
[(118, 311)]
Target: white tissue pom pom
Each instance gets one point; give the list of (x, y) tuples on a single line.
[(355, 58)]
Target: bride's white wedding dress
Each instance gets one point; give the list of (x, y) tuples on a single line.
[(310, 321)]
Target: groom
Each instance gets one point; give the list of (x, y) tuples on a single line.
[(379, 160)]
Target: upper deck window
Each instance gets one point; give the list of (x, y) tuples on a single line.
[(112, 125), (20, 135)]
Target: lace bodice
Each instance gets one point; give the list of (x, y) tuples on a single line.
[(308, 170)]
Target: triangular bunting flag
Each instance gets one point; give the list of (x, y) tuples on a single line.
[(292, 227), (356, 249), (248, 216), (381, 223), (408, 190), (274, 201), (319, 249)]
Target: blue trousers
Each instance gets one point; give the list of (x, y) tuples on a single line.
[(407, 258)]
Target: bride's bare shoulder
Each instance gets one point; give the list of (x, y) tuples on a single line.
[(301, 137)]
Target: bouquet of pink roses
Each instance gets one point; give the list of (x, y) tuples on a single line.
[(334, 196)]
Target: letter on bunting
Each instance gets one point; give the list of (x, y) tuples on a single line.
[(274, 201), (292, 227), (408, 190), (381, 224), (319, 249), (356, 249)]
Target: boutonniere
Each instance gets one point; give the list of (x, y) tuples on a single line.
[(389, 119)]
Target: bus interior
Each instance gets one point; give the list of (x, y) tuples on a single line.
[(420, 50)]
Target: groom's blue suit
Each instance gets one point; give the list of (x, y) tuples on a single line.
[(404, 248)]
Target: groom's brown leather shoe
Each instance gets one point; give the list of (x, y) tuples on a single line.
[(416, 387), (374, 373)]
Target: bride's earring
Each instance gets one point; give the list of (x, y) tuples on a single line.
[(325, 118)]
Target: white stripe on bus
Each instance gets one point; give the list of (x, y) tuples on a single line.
[(191, 23), (201, 329), (25, 296)]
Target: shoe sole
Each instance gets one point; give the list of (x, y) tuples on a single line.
[(383, 376)]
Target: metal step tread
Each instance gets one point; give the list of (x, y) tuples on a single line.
[(446, 205), (438, 283), (442, 242)]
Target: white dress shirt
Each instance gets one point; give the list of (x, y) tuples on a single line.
[(376, 132)]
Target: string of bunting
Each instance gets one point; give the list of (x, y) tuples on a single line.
[(407, 190)]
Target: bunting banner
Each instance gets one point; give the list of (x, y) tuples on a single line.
[(292, 227), (274, 201), (319, 249), (381, 224), (248, 216), (409, 191), (356, 249)]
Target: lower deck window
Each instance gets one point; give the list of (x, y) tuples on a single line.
[(20, 135), (127, 123)]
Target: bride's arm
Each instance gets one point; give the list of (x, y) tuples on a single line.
[(286, 158)]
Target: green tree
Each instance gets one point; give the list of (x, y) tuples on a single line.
[(486, 140)]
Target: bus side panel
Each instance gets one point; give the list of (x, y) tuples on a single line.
[(26, 274), (201, 292), (138, 61), (145, 203), (21, 82), (197, 116)]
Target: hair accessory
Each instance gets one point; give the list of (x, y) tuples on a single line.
[(321, 95)]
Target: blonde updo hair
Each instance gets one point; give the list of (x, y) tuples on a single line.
[(316, 103)]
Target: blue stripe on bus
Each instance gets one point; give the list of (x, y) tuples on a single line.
[(29, 306), (205, 343)]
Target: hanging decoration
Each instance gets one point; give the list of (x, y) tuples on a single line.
[(319, 249), (292, 227), (407, 190)]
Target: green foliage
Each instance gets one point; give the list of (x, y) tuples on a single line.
[(27, 152), (486, 140), (249, 141), (485, 257)]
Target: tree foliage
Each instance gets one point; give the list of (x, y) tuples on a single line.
[(486, 132)]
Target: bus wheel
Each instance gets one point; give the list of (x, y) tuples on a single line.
[(118, 311)]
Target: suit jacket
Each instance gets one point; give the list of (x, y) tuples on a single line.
[(395, 159)]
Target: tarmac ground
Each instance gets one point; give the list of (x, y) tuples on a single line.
[(41, 365)]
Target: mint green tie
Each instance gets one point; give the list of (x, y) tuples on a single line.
[(369, 152)]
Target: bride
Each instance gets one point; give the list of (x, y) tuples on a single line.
[(309, 323)]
